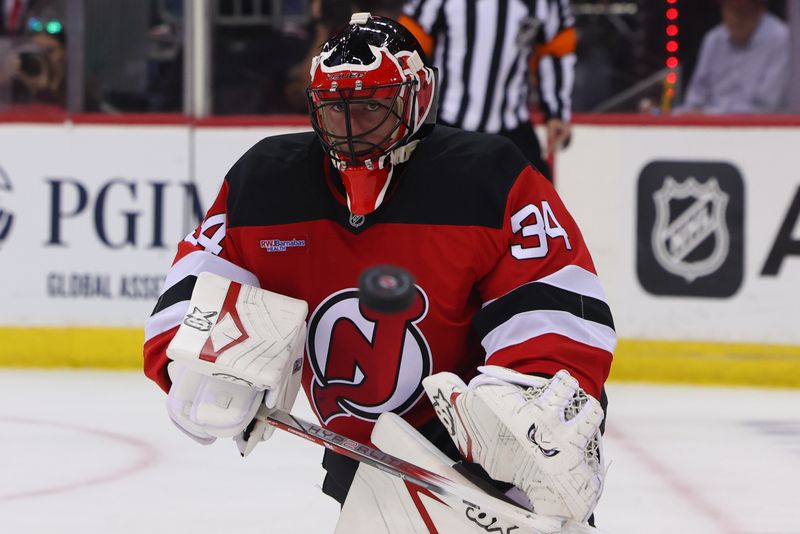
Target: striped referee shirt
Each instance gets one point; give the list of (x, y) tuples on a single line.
[(484, 50)]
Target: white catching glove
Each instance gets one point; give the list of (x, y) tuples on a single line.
[(542, 435), (239, 349)]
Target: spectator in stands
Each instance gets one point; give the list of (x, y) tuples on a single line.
[(484, 51), (326, 16), (39, 65), (743, 64)]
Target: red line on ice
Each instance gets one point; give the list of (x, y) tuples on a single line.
[(680, 487), (146, 458)]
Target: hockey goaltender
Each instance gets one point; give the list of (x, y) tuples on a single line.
[(497, 362)]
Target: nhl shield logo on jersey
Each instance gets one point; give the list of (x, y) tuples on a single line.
[(690, 228), (677, 235), (6, 217), (365, 362)]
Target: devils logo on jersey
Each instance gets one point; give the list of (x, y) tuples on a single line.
[(365, 362)]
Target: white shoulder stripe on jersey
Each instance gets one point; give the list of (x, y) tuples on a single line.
[(576, 279), (527, 325), (165, 319), (192, 264), (201, 261), (571, 278)]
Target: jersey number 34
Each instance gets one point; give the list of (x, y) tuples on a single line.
[(542, 223)]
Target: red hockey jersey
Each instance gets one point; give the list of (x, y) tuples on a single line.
[(503, 275)]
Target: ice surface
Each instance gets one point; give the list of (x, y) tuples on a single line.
[(94, 452)]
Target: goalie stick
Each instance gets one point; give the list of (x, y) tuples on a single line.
[(454, 495)]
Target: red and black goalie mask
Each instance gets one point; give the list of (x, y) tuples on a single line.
[(371, 96)]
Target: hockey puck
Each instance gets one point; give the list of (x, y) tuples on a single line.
[(386, 288)]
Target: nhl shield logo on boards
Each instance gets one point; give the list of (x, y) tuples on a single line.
[(677, 236), (690, 229)]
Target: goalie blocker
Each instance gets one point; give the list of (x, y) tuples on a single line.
[(515, 299), (239, 347)]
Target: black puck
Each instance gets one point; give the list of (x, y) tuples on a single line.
[(386, 288)]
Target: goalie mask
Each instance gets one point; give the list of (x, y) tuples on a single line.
[(371, 98)]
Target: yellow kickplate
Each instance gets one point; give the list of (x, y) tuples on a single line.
[(741, 364), (684, 362), (104, 348)]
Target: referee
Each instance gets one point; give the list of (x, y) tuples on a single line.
[(485, 51)]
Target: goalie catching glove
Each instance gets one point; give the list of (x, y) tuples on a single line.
[(238, 348), (541, 435)]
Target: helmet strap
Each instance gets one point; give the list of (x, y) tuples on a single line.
[(402, 153)]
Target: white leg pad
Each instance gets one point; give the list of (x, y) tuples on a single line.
[(379, 503)]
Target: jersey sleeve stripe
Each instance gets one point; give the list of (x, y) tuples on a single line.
[(525, 326), (538, 296), (201, 261), (577, 280), (176, 293), (181, 278), (574, 279), (548, 353), (165, 319)]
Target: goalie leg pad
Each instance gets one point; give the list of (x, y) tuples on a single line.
[(379, 503)]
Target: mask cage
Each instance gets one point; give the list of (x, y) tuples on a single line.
[(332, 112)]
